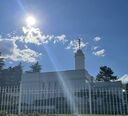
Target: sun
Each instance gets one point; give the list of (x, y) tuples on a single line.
[(30, 20)]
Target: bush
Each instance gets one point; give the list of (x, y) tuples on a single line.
[(36, 114), (22, 114), (3, 113)]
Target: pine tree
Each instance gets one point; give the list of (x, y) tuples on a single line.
[(105, 74), (18, 68), (35, 67)]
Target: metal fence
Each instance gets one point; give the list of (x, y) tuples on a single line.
[(83, 100)]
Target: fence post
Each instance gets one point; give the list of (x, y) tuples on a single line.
[(90, 96), (90, 99), (20, 93)]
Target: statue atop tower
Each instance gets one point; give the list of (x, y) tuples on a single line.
[(79, 58), (79, 43)]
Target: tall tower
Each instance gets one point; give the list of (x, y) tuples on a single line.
[(79, 58)]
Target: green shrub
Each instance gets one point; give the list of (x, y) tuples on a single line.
[(3, 113), (36, 114), (22, 114)]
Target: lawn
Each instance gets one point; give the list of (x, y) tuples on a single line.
[(36, 114), (79, 115), (83, 115)]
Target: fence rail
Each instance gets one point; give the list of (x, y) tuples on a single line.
[(103, 101)]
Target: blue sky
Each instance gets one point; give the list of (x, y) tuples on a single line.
[(87, 19)]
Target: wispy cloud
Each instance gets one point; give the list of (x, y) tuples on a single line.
[(99, 52), (60, 38), (95, 47), (33, 35), (97, 38), (74, 45)]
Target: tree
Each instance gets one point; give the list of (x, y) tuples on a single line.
[(18, 68), (1, 62), (35, 67), (105, 74)]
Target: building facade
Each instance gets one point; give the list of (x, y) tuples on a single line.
[(68, 91)]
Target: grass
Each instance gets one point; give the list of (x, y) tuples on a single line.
[(82, 115), (85, 115), (89, 115), (37, 114)]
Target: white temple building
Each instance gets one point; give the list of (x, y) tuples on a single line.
[(52, 80), (65, 91), (75, 78)]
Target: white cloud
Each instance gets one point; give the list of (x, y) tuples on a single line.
[(34, 36), (95, 47), (60, 38), (74, 45), (96, 39), (99, 52), (25, 55), (10, 51)]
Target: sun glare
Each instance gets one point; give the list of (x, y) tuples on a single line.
[(30, 20)]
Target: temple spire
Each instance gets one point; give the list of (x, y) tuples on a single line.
[(79, 43), (79, 57)]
